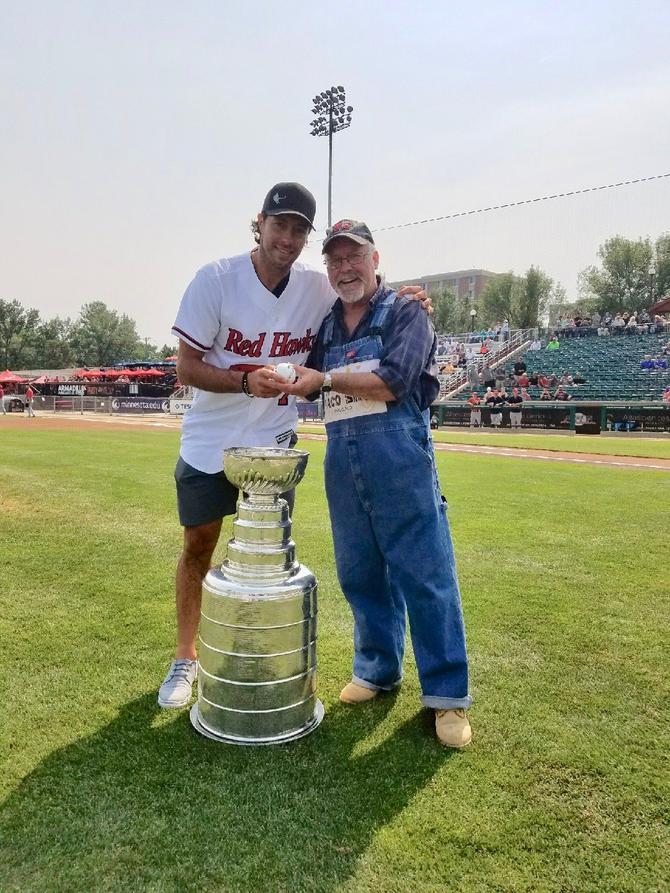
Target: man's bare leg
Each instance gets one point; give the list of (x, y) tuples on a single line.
[(199, 545)]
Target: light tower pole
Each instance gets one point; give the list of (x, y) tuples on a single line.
[(331, 114)]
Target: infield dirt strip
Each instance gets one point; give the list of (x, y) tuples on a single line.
[(63, 422)]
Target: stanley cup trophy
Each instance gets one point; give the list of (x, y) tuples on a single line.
[(257, 667)]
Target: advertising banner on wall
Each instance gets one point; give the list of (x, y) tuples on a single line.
[(140, 404), (179, 407)]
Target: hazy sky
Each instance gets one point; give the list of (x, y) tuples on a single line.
[(139, 138)]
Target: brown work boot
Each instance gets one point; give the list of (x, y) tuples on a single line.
[(353, 693), (453, 728)]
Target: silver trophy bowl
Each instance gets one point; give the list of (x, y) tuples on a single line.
[(258, 623), (264, 471)]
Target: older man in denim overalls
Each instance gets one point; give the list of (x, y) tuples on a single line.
[(392, 543)]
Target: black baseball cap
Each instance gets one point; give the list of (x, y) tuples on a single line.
[(290, 198), (351, 229)]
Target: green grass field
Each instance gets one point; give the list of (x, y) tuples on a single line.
[(652, 448), (564, 574)]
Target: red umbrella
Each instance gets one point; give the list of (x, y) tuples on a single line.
[(153, 373), (93, 373), (8, 377), (41, 380)]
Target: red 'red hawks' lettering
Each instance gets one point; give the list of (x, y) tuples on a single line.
[(282, 344), (238, 344), (285, 346)]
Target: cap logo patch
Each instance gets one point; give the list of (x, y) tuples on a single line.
[(276, 198), (343, 225)]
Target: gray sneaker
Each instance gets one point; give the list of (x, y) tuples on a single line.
[(176, 690)]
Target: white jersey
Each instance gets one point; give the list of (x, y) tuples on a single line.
[(229, 314)]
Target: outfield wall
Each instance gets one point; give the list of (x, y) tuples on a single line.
[(581, 417)]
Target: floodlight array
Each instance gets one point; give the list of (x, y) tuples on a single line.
[(331, 112)]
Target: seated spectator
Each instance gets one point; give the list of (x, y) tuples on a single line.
[(561, 394), (553, 380), (618, 323), (603, 330), (565, 379), (434, 421), (545, 395), (578, 378), (535, 345), (542, 380), (631, 325), (607, 319), (525, 396), (553, 344), (534, 378), (523, 381), (625, 316), (519, 367)]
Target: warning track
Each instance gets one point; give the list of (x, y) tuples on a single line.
[(71, 421)]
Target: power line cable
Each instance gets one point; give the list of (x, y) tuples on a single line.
[(525, 201)]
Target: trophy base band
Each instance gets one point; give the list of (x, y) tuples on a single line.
[(283, 738)]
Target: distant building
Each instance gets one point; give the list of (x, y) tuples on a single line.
[(467, 284)]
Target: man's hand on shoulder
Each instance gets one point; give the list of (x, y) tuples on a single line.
[(416, 293)]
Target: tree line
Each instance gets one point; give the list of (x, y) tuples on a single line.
[(98, 337), (631, 275)]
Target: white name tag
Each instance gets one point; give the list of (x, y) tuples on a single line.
[(343, 406)]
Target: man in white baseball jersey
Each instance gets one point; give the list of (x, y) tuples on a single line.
[(238, 318)]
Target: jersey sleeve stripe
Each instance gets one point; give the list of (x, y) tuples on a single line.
[(191, 340)]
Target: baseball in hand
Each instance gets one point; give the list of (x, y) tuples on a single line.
[(287, 372)]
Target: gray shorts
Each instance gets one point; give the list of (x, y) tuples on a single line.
[(203, 498)]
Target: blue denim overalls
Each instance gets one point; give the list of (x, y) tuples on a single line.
[(393, 548)]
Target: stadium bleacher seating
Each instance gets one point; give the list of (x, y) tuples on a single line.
[(610, 365)]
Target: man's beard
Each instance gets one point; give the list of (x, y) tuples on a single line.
[(352, 295)]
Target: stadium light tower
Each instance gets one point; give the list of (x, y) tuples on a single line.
[(330, 115)]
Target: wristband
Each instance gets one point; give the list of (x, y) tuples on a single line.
[(245, 385)]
